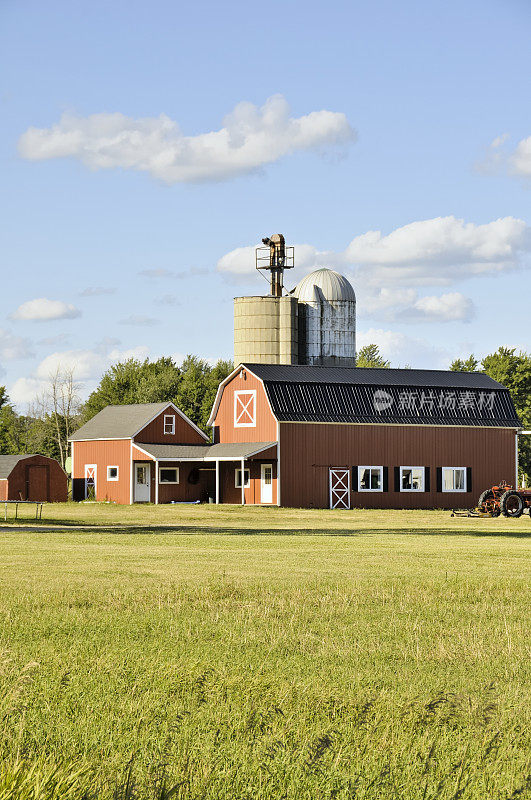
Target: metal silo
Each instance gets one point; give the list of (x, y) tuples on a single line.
[(326, 319)]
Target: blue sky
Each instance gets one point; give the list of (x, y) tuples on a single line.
[(391, 141)]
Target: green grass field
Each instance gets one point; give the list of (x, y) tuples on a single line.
[(202, 652)]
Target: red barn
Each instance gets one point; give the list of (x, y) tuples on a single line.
[(32, 477), (378, 438), (309, 436)]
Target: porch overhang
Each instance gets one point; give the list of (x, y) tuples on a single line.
[(231, 451)]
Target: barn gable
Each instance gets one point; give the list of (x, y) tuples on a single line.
[(241, 411)]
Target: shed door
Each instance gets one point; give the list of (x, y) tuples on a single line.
[(37, 482), (339, 487)]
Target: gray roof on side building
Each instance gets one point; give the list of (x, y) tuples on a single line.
[(8, 463), (123, 422), (390, 396), (205, 452)]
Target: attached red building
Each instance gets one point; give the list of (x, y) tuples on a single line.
[(307, 436), (154, 453)]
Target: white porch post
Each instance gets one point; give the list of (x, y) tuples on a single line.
[(156, 483), (217, 481), (243, 481)]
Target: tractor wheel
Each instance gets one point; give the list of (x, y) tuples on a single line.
[(512, 505), (487, 503)]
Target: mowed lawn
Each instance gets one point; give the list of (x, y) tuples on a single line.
[(264, 653)]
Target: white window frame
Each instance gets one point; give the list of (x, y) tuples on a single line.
[(360, 473), (169, 483), (243, 408), (171, 418), (454, 491), (238, 478), (117, 468), (423, 484)]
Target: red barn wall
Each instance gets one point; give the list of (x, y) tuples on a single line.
[(184, 491), (265, 429), (307, 450), (114, 452), (3, 489), (228, 491), (184, 432)]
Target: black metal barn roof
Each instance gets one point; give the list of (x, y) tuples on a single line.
[(370, 376), (391, 396)]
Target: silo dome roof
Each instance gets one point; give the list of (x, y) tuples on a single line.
[(333, 287)]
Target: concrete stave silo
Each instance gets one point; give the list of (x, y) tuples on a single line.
[(326, 319)]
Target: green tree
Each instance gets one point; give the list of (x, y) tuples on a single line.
[(513, 370), (134, 381), (469, 364), (13, 428), (192, 386), (198, 386), (369, 356)]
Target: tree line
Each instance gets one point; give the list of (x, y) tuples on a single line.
[(192, 386), (58, 411)]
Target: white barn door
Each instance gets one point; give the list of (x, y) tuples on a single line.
[(91, 471), (339, 487)]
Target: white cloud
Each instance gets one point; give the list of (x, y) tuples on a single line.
[(499, 140), (97, 291), (139, 353), (84, 363), (87, 365), (498, 158), (433, 252), (250, 138), (402, 350), (387, 270), (43, 310), (520, 161), (24, 390), (437, 251), (449, 307), (14, 347), (405, 305)]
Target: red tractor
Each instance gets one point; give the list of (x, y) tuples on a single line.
[(504, 499)]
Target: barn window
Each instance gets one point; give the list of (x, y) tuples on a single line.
[(238, 478), (370, 479), (454, 479), (169, 475), (112, 473), (411, 479), (245, 408), (169, 424)]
